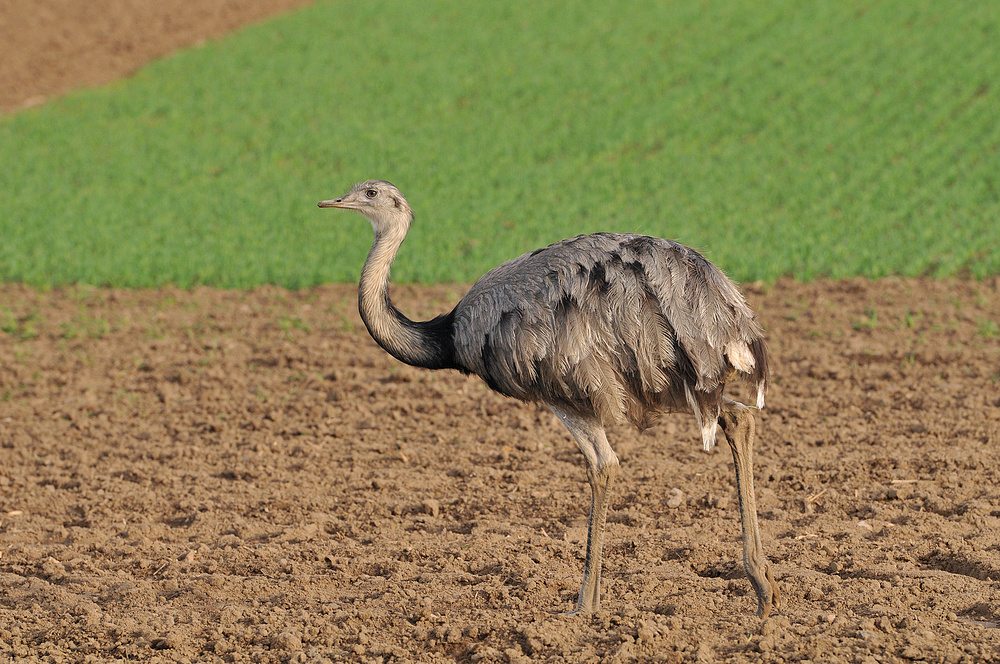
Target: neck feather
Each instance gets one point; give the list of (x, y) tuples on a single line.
[(425, 344)]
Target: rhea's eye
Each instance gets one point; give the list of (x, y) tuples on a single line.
[(371, 193)]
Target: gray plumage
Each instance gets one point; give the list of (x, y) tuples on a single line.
[(604, 328), (624, 326)]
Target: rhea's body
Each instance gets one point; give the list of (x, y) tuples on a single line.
[(624, 326)]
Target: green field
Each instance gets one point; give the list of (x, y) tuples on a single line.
[(829, 138)]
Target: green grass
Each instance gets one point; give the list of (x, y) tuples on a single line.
[(829, 139)]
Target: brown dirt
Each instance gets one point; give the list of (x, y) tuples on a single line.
[(246, 477), (52, 46)]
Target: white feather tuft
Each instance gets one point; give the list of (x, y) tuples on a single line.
[(708, 431), (740, 356), (708, 426)]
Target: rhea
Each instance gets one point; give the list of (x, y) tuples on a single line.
[(602, 329)]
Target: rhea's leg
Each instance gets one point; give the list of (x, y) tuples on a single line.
[(602, 466), (738, 422)]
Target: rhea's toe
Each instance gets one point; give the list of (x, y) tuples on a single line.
[(775, 592), (581, 609), (768, 595)]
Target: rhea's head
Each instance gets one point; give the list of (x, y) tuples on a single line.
[(380, 202)]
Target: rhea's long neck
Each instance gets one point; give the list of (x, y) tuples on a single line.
[(425, 344)]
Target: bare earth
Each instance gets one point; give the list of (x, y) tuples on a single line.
[(52, 46), (199, 476), (231, 476)]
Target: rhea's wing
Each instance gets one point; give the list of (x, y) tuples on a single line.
[(713, 322)]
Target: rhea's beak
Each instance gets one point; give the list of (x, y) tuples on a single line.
[(336, 203)]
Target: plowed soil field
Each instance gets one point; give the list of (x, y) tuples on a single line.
[(245, 476), (201, 476)]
